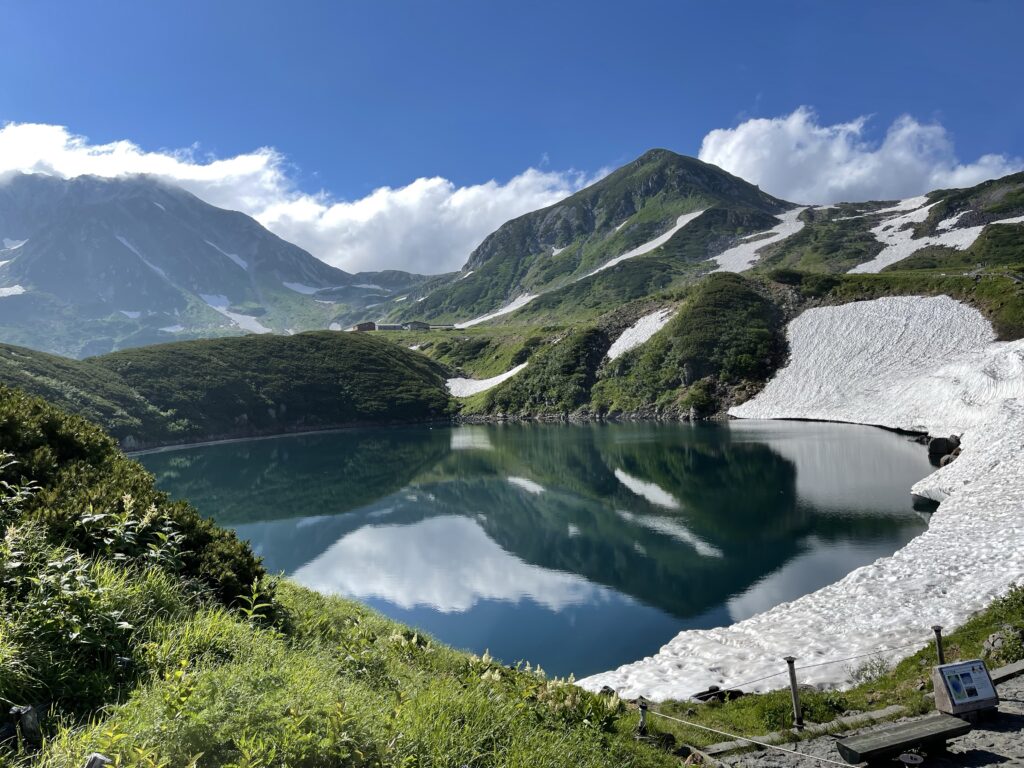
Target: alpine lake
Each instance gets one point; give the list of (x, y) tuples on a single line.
[(575, 547)]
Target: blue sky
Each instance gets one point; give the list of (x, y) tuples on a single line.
[(354, 96)]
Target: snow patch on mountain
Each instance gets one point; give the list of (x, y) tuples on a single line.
[(10, 245), (896, 233), (124, 241), (11, 290), (512, 306), (131, 315), (220, 303), (927, 364), (527, 485), (305, 290), (233, 256), (743, 256), (465, 387), (650, 245), (172, 328), (639, 332)]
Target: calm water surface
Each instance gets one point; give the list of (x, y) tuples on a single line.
[(576, 547)]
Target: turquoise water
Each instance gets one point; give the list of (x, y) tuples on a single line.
[(578, 548)]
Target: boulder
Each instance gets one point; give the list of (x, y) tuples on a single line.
[(714, 693), (998, 643)]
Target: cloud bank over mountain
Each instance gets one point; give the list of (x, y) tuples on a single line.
[(431, 225), (797, 158)]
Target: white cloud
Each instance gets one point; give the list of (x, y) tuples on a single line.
[(429, 225), (797, 158)]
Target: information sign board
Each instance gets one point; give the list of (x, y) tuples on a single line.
[(963, 687)]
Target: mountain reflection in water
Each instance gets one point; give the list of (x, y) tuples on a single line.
[(576, 547)]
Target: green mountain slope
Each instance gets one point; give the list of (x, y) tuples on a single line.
[(236, 387), (725, 340), (553, 246), (837, 239)]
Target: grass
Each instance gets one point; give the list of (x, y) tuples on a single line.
[(480, 351), (557, 381), (340, 686)]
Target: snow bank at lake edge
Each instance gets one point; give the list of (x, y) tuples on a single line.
[(929, 362), (639, 333), (465, 387)]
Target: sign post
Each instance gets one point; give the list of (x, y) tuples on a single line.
[(963, 687)]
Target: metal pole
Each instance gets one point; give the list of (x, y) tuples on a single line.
[(798, 716), (937, 629)]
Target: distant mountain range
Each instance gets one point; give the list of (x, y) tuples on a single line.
[(90, 265)]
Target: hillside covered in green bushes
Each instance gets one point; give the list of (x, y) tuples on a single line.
[(236, 387)]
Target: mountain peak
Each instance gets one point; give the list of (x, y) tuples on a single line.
[(90, 264)]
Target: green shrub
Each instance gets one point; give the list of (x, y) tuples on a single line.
[(94, 500), (557, 380), (725, 333)]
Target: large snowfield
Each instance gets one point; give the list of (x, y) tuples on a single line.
[(927, 364)]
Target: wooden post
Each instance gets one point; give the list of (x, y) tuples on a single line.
[(642, 729), (937, 629), (798, 715)]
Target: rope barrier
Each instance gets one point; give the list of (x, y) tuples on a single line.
[(859, 656), (751, 741), (740, 686)]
